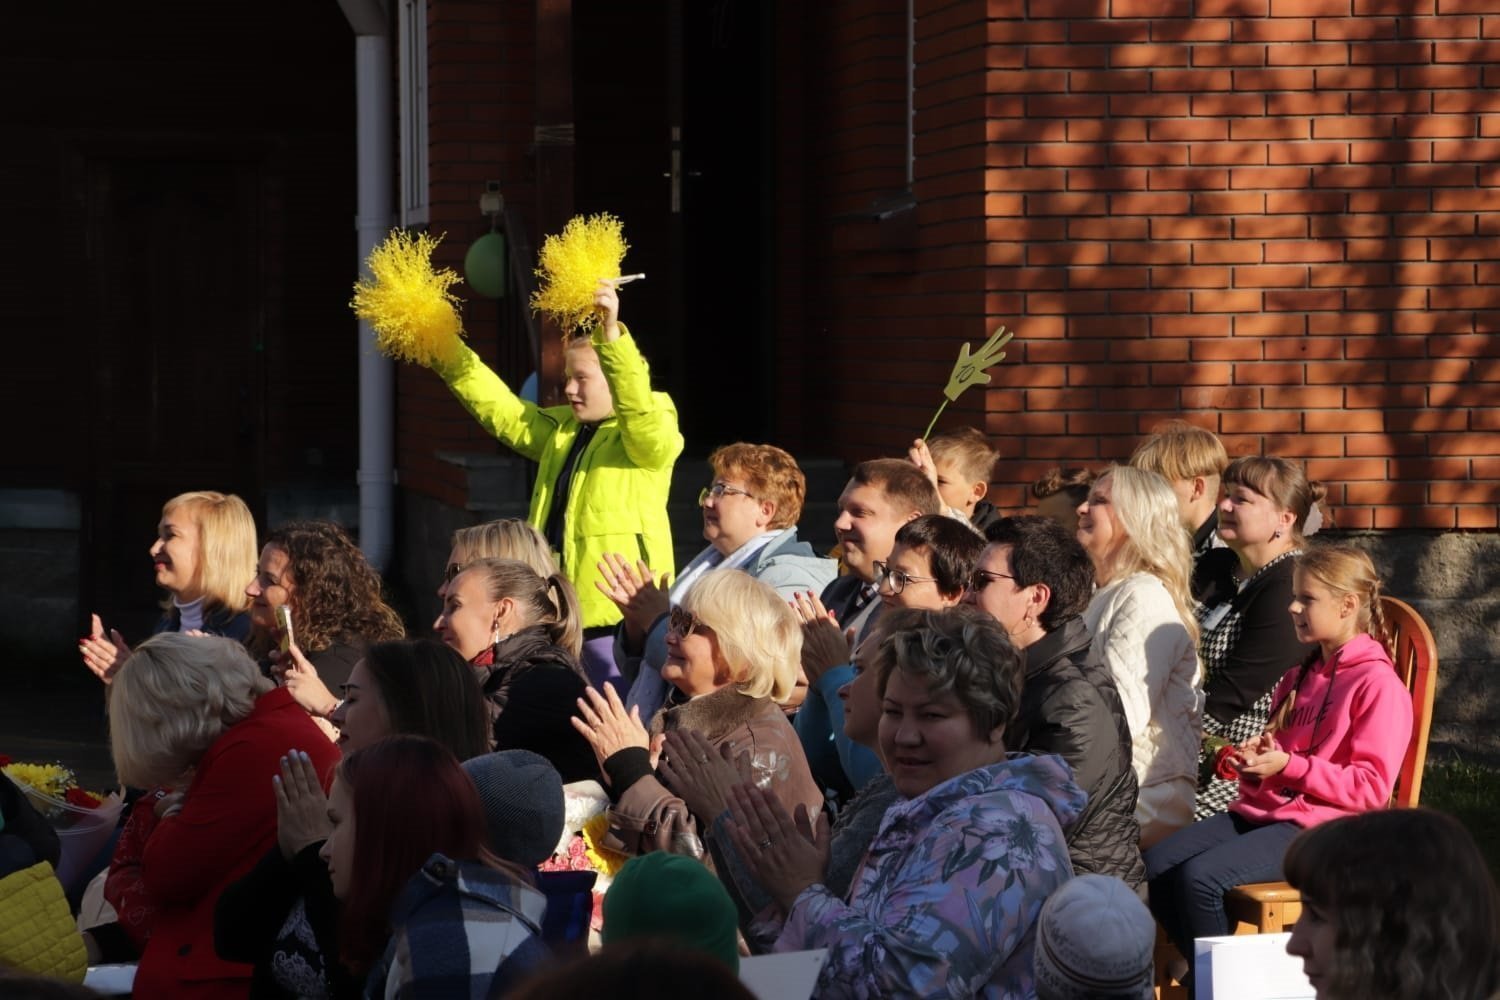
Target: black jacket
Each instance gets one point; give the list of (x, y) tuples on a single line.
[(533, 687), (251, 912), (1070, 707), (1265, 642)]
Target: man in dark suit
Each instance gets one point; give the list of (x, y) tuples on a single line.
[(882, 495)]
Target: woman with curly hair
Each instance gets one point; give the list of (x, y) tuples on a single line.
[(1144, 631), (315, 568), (1395, 903)]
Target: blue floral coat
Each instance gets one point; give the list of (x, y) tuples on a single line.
[(946, 902)]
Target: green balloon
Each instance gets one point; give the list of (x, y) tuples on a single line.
[(484, 266)]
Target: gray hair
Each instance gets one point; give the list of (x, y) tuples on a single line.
[(960, 649), (173, 698)]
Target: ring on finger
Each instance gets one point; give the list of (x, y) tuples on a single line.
[(765, 844)]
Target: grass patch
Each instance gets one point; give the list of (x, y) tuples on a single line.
[(1471, 792)]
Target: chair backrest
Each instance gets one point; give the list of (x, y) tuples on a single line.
[(1416, 661)]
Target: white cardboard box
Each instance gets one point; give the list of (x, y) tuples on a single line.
[(1248, 967)]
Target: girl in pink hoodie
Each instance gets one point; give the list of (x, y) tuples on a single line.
[(1339, 730)]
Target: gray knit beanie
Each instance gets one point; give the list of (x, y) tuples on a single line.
[(1095, 940), (522, 795)]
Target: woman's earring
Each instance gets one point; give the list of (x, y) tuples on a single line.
[(495, 635), (1276, 535)]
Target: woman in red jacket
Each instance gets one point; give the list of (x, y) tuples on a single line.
[(195, 712)]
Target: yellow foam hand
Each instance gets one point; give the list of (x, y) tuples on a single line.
[(971, 369)]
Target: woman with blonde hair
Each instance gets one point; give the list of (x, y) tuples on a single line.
[(506, 538), (196, 712), (1144, 632), (734, 647), (522, 635), (204, 552)]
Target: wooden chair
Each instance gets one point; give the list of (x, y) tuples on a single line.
[(1271, 907)]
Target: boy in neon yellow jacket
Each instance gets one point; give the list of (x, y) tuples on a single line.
[(605, 460)]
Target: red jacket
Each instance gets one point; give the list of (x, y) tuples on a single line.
[(227, 822)]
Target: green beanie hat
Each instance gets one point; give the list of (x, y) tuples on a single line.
[(672, 896)]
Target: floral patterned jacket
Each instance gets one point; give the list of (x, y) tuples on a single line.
[(947, 900)]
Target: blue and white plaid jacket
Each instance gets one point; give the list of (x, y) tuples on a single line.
[(461, 929)]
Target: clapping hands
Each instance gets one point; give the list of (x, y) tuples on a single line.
[(104, 656)]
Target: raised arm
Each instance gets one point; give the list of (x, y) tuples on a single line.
[(515, 422), (648, 420)]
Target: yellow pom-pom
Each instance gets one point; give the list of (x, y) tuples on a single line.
[(408, 303), (571, 264)]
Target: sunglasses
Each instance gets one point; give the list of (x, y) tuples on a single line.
[(684, 622), (983, 578)]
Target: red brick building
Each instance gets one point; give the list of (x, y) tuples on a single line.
[(1275, 218)]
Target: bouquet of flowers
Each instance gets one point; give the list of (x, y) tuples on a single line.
[(54, 790), (84, 820)]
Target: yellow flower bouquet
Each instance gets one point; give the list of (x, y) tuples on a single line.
[(84, 820)]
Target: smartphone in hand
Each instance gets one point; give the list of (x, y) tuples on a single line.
[(284, 626)]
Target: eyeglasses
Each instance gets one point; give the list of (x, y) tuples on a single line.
[(719, 490), (983, 578), (897, 579), (684, 623), (453, 570)]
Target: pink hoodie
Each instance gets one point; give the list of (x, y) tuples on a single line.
[(1347, 761)]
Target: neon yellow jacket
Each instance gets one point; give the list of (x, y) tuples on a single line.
[(618, 498)]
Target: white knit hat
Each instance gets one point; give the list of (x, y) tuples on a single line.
[(1094, 939)]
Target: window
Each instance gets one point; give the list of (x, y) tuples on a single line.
[(412, 41)]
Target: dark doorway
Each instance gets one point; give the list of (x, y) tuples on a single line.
[(175, 375), (672, 111)]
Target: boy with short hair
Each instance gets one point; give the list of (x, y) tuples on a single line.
[(961, 461), (1192, 460), (605, 460)]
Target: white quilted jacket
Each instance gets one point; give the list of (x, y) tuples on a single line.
[(1139, 636)]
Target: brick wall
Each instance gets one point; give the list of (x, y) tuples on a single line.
[(480, 106), (1275, 216)]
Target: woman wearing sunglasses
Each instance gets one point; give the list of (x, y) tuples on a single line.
[(733, 648)]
